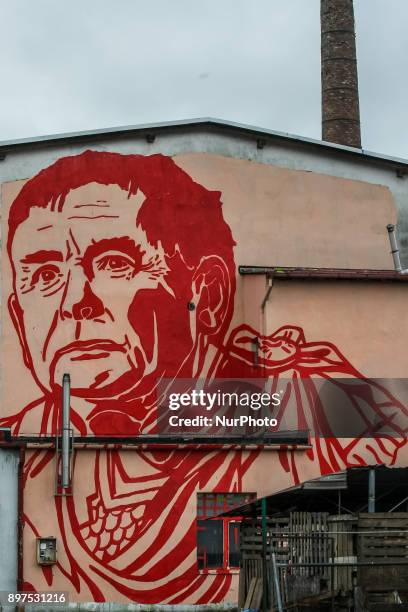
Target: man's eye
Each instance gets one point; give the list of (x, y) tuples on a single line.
[(115, 263), (45, 275)]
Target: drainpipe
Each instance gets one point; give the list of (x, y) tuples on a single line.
[(395, 249), (268, 293), (66, 431), (371, 490), (269, 278)]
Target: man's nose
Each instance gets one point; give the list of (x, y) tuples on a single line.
[(80, 302)]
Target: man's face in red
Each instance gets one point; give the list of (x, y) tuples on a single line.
[(95, 299)]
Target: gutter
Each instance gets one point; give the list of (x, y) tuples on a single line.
[(144, 442), (357, 274)]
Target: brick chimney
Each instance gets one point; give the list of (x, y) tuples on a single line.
[(340, 105)]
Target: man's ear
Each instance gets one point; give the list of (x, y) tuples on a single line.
[(16, 315), (211, 294)]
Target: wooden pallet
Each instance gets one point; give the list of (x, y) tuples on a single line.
[(385, 543)]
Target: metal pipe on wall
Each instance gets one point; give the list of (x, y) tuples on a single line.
[(395, 249), (66, 430), (371, 490)]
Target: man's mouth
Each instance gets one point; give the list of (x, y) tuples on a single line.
[(90, 349), (97, 366)]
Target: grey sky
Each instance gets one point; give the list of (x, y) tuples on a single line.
[(86, 64)]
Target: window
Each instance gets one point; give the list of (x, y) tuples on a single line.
[(218, 538)]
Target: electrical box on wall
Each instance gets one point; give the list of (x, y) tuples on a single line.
[(46, 551)]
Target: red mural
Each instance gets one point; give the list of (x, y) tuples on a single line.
[(124, 275)]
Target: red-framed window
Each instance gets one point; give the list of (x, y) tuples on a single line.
[(218, 538)]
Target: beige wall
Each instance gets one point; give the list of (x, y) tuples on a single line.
[(366, 320), (49, 516), (283, 217), (278, 217)]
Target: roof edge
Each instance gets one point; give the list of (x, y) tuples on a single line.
[(51, 139)]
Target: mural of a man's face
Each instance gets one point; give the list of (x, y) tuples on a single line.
[(95, 299)]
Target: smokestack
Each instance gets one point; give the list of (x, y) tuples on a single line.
[(340, 105)]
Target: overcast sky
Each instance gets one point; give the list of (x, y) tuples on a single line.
[(73, 65)]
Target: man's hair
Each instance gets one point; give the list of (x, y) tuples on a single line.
[(176, 211)]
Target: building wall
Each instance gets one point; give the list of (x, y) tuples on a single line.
[(365, 319), (122, 270), (293, 155)]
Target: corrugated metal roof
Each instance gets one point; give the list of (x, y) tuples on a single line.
[(153, 129), (322, 494)]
